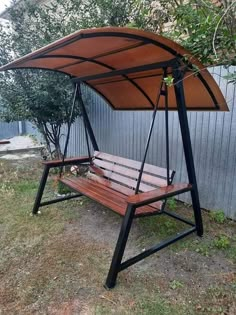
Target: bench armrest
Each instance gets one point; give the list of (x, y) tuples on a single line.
[(158, 194), (69, 161)]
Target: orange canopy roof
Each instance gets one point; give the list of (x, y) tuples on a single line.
[(126, 67)]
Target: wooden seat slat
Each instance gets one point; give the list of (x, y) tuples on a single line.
[(157, 205), (153, 180), (124, 190), (119, 195), (107, 197), (153, 169), (90, 192)]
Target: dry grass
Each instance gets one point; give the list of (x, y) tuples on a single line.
[(56, 263)]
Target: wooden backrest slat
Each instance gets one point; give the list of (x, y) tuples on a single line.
[(124, 190), (152, 169), (153, 180), (120, 179)]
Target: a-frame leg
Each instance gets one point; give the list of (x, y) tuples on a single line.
[(183, 120), (41, 189), (120, 247)]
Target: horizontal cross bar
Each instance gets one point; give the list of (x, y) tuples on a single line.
[(177, 217), (156, 65), (155, 248), (46, 203)]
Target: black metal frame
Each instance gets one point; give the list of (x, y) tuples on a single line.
[(43, 181), (117, 265)]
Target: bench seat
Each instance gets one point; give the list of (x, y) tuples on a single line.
[(112, 179), (107, 196), (112, 182)]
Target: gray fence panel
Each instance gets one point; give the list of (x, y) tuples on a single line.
[(8, 130), (213, 138)]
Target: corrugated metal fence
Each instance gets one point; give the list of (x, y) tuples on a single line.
[(8, 130), (213, 138)]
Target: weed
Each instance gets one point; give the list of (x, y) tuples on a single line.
[(222, 242), (203, 250), (83, 201), (231, 253), (175, 284), (159, 228), (218, 216), (233, 286), (102, 310), (171, 203), (6, 188), (63, 189), (26, 186)]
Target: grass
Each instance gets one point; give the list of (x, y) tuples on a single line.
[(157, 228), (56, 263)]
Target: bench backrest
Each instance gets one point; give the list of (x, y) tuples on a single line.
[(121, 174)]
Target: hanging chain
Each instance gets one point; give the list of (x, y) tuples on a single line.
[(167, 131), (69, 128), (161, 93)]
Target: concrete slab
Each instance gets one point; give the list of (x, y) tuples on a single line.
[(20, 147)]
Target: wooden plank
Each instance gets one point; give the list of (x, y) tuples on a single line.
[(124, 190), (122, 197), (152, 169), (159, 194), (68, 161), (121, 179), (153, 180), (106, 197), (89, 191), (104, 187)]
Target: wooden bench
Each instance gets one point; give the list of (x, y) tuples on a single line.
[(111, 179)]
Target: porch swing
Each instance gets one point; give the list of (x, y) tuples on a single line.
[(128, 68)]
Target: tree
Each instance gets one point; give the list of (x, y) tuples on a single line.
[(41, 97), (44, 97), (206, 28)]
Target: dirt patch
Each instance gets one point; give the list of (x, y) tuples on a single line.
[(98, 224)]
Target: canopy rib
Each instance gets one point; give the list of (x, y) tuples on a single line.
[(101, 64), (152, 66)]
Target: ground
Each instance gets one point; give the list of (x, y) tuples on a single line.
[(56, 263)]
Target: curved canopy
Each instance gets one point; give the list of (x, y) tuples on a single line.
[(126, 66)]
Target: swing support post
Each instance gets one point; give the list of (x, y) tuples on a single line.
[(87, 124), (184, 126), (117, 265)]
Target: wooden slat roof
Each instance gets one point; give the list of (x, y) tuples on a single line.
[(126, 66)]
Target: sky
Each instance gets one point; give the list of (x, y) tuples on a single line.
[(3, 4)]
